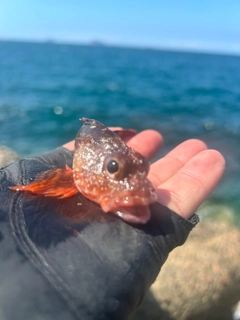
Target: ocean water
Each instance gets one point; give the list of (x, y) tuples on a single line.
[(45, 88)]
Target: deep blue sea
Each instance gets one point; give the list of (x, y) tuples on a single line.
[(45, 88)]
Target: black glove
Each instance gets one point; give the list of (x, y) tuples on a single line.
[(59, 267)]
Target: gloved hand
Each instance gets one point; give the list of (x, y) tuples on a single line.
[(56, 267)]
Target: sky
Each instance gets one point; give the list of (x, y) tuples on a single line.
[(206, 25)]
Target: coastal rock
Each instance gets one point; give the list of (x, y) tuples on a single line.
[(7, 156), (200, 280)]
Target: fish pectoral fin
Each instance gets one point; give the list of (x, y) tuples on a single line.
[(68, 168), (52, 183), (125, 134)]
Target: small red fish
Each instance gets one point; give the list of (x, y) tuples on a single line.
[(105, 170)]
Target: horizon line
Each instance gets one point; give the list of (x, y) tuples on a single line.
[(102, 43)]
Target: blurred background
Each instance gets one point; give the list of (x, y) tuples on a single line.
[(171, 66)]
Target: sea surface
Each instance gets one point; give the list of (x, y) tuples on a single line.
[(45, 88)]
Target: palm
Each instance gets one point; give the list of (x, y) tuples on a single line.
[(185, 176)]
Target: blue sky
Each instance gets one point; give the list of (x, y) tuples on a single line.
[(206, 25)]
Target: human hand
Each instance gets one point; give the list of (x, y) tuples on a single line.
[(185, 177)]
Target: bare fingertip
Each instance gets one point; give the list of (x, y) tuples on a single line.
[(218, 159), (200, 144), (69, 145)]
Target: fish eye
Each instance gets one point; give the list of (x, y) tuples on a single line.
[(112, 166), (116, 166)]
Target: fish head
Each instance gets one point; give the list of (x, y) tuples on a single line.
[(129, 192), (108, 172)]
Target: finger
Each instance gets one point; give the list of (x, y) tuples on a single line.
[(166, 167), (192, 184), (69, 145), (147, 142)]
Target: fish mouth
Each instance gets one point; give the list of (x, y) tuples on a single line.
[(137, 214), (131, 208)]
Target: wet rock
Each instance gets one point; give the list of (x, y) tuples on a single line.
[(200, 280)]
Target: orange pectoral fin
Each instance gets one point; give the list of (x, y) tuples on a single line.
[(52, 183)]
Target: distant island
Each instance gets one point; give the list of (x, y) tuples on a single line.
[(97, 43)]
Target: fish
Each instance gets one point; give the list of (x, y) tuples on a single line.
[(105, 170)]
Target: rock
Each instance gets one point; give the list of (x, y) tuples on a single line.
[(7, 156), (200, 280)]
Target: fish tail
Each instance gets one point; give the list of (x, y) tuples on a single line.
[(52, 183)]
